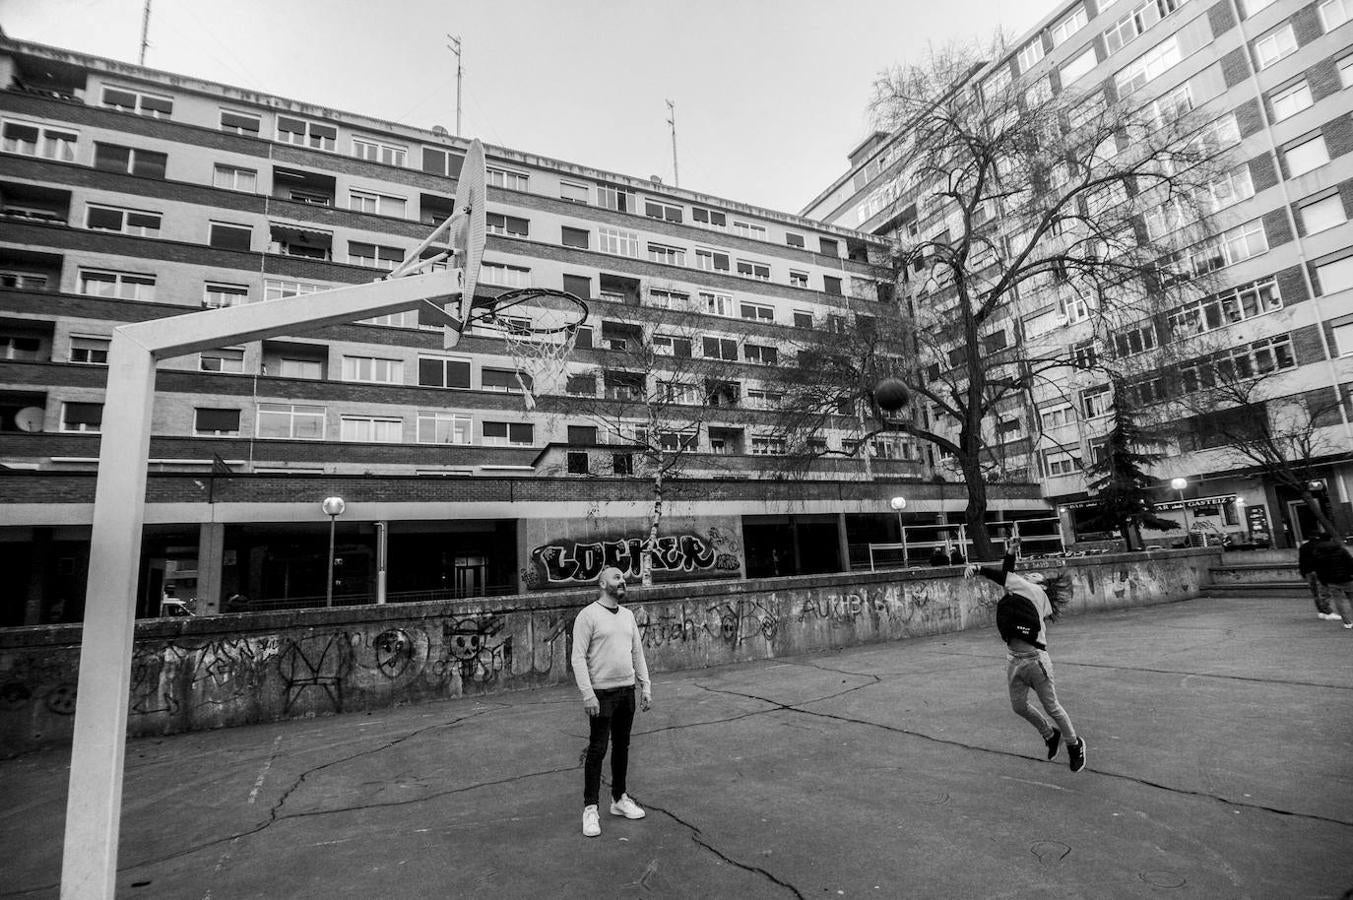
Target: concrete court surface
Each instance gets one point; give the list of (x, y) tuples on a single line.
[(1220, 736)]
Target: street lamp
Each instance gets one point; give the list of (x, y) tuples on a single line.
[(1179, 484), (898, 504), (333, 508)]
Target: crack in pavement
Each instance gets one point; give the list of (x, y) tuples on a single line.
[(697, 835), (1312, 817)]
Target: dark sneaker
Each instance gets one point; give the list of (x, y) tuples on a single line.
[(1053, 742), (1077, 753)]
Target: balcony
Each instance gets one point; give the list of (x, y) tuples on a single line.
[(294, 240)]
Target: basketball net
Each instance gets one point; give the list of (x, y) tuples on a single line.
[(540, 359), (539, 328)]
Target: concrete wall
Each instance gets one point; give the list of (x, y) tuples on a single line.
[(210, 672)]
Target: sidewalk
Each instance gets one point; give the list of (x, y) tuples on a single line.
[(1220, 735)]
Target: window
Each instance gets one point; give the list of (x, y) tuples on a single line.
[(749, 230), (1227, 307), (1291, 100), (214, 295), (1247, 361), (1055, 418), (229, 360), (709, 218), (247, 124), (437, 161), (1334, 13), (519, 434), (617, 198), (1230, 247), (506, 380), (1030, 54), (768, 445), (1306, 156), (370, 429), (720, 348), (831, 285), (836, 324), (656, 209), (711, 260), (437, 427), (505, 178), (671, 256), (667, 345), (154, 105), (574, 237), (1149, 65), (276, 289), (126, 221), (581, 385), (291, 421), (1250, 7), (1084, 354), (306, 134), (81, 417), (1069, 24), (1322, 214), (679, 393), (373, 369), (377, 204), (760, 355), (1061, 462), (582, 435), (1335, 276), (794, 240), (443, 372), (216, 422), (803, 318), (225, 236), (504, 276), (1132, 341), (300, 368), (577, 193), (1140, 19), (749, 269), (38, 140), (27, 281), (717, 304), (233, 178), (1096, 401), (116, 158), (379, 151), (1076, 68), (757, 311), (622, 463), (1274, 46), (498, 223), (618, 242), (1343, 339), (360, 254), (21, 347), (1144, 392), (122, 285), (90, 351), (662, 299), (798, 279)]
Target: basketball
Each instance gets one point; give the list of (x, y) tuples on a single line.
[(891, 395)]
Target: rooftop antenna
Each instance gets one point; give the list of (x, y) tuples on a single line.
[(671, 120), (454, 47), (145, 33)]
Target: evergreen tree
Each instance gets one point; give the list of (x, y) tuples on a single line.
[(1121, 487)]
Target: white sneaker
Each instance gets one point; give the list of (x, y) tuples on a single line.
[(627, 808), (591, 821), (1333, 616)]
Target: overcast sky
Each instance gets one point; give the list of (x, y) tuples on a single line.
[(770, 94)]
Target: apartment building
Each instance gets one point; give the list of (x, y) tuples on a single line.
[(1272, 78), (128, 194)]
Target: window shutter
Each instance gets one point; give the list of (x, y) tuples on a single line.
[(577, 284), (521, 433), (218, 419), (84, 413)]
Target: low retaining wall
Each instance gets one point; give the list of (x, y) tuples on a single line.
[(210, 672)]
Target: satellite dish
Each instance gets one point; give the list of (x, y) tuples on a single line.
[(30, 418)]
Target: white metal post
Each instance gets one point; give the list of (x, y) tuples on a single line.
[(94, 804)]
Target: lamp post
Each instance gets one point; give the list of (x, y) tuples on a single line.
[(898, 504), (1179, 484), (333, 508)]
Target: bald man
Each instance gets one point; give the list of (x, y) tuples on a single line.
[(608, 662)]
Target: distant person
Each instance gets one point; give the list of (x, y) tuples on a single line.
[(938, 557), (1333, 567), (1306, 568), (1029, 601), (237, 603), (608, 662)]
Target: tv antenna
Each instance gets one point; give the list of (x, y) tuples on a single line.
[(671, 120), (454, 47)]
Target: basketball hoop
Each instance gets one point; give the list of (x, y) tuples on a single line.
[(540, 328)]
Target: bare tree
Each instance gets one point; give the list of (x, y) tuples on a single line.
[(1010, 200), (658, 391)]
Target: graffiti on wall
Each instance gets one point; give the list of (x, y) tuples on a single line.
[(568, 563)]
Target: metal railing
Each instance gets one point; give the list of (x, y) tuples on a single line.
[(921, 544)]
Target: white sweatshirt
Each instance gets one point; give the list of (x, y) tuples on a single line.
[(608, 651)]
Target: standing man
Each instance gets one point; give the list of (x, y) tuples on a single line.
[(608, 661), (1306, 567), (1333, 566)]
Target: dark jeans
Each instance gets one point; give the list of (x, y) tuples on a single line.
[(613, 722)]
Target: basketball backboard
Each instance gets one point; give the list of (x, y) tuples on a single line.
[(468, 235)]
